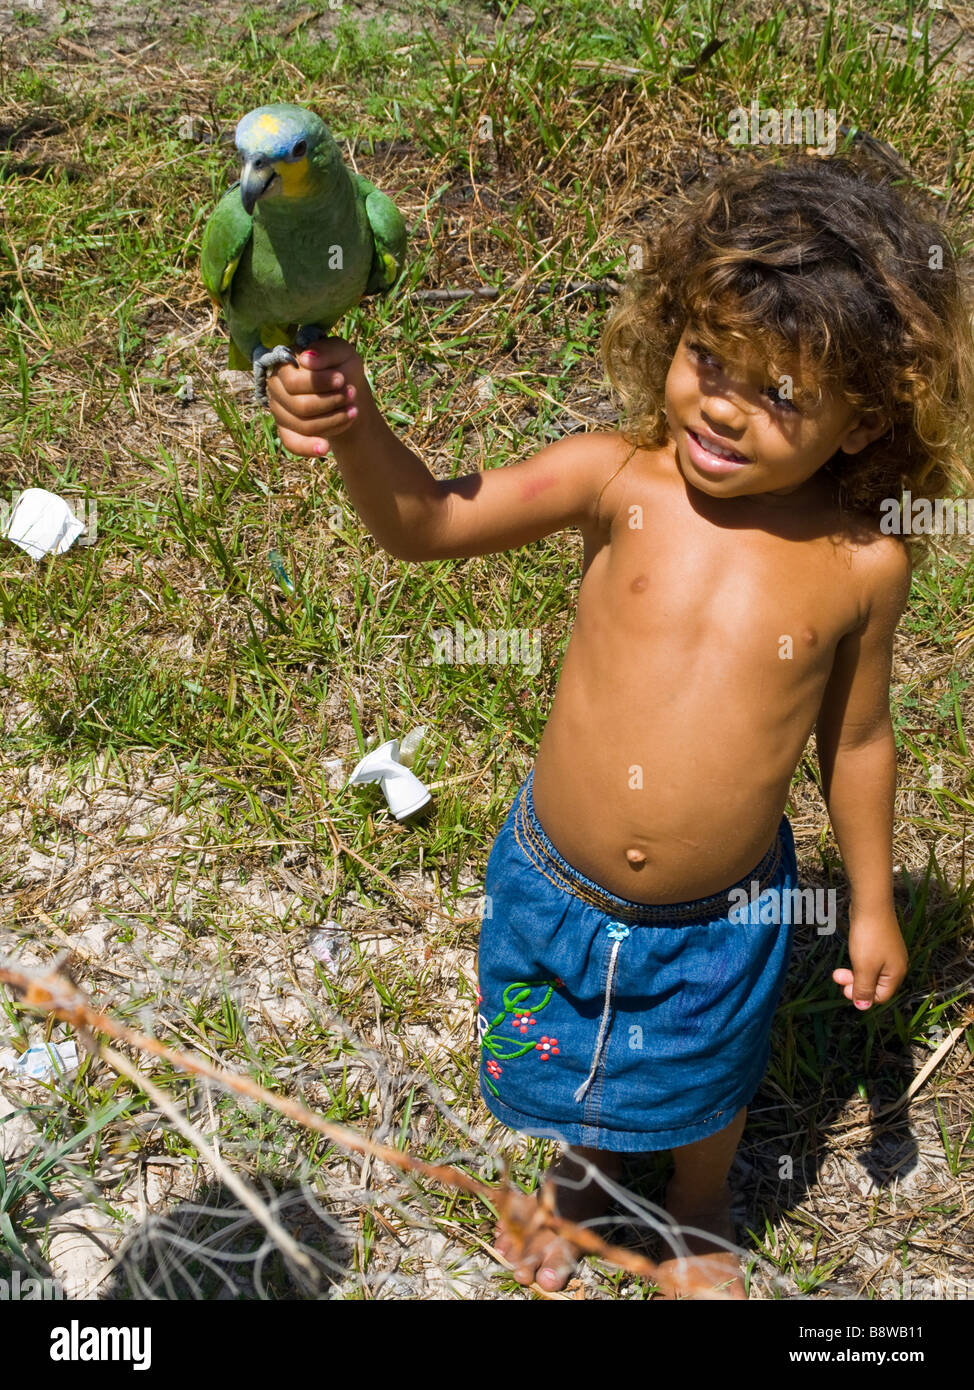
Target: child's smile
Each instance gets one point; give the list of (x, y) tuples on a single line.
[(712, 455), (738, 436)]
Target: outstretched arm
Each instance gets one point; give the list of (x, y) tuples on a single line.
[(327, 407)]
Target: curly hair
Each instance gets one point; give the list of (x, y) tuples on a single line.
[(827, 260)]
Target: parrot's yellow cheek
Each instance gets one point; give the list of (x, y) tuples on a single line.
[(295, 182)]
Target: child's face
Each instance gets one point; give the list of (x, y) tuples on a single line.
[(778, 444)]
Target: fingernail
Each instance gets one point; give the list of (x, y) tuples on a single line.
[(352, 412), (320, 446), (309, 352), (862, 1003)]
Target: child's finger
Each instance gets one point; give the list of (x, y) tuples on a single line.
[(293, 380), (316, 430), (305, 446), (328, 380), (326, 352), (863, 996), (860, 986), (306, 380), (864, 981), (889, 983), (305, 413), (845, 980), (302, 392)]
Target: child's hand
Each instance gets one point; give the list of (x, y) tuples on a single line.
[(879, 960), (320, 398)]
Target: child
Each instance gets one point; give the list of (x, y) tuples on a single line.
[(795, 348)]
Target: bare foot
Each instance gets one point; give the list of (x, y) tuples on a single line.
[(709, 1270), (545, 1258)]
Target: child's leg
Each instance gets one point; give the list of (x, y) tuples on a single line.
[(547, 1259), (698, 1195)]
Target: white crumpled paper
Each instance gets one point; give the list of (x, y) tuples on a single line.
[(42, 523)]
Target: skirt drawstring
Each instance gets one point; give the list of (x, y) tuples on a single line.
[(618, 932)]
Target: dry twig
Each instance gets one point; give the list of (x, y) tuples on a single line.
[(522, 1216)]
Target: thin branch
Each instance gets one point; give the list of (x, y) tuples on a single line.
[(522, 1216)]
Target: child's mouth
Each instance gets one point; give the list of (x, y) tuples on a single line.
[(711, 458)]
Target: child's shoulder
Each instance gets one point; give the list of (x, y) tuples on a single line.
[(605, 463), (607, 447), (877, 550), (859, 534), (881, 563), (888, 567), (618, 461)]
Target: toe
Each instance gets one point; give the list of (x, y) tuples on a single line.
[(526, 1269), (557, 1267), (502, 1243)]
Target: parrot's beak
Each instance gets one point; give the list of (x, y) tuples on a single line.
[(254, 179)]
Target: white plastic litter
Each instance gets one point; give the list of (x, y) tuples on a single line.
[(42, 1062), (42, 523), (334, 773), (403, 791), (329, 945)]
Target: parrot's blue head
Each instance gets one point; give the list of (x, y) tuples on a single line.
[(287, 151)]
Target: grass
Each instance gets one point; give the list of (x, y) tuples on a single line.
[(168, 706)]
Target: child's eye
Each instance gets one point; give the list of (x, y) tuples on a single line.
[(697, 351), (780, 402)]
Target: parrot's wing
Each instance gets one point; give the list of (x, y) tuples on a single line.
[(389, 235), (224, 242)]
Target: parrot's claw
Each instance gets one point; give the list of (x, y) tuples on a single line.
[(265, 362)]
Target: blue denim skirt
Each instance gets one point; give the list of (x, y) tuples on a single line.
[(616, 1024)]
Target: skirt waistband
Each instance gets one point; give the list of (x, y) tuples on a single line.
[(536, 845)]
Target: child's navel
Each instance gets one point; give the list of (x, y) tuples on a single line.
[(639, 584), (636, 858)]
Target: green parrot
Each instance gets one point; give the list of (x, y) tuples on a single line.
[(296, 242)]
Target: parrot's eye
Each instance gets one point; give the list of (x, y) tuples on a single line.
[(300, 149)]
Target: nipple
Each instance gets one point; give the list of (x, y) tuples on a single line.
[(635, 857)]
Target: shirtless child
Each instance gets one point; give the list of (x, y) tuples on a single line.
[(785, 357)]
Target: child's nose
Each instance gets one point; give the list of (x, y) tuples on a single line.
[(725, 416)]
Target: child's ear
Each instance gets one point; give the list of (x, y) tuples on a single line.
[(863, 432)]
